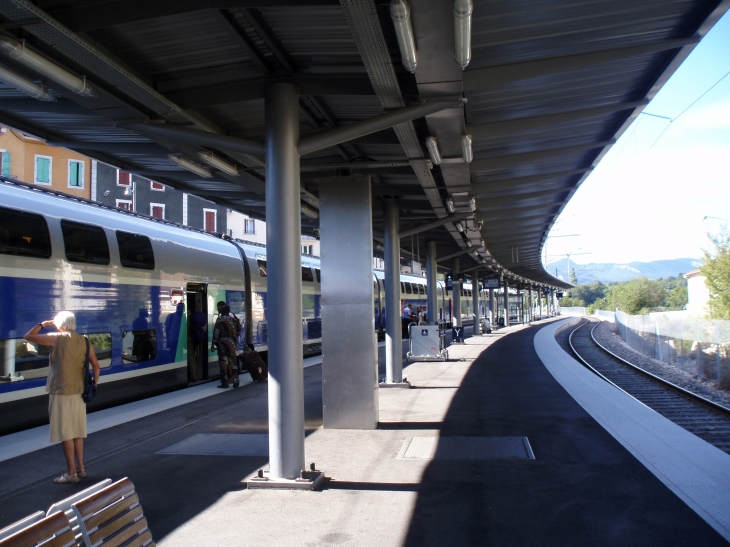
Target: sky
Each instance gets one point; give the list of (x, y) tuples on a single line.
[(647, 199)]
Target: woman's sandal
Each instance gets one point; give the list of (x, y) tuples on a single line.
[(66, 478), (81, 473)]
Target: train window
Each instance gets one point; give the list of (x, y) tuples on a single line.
[(31, 360), (24, 234), (139, 346), (85, 243), (262, 268), (318, 274), (102, 344), (307, 274), (135, 251), (421, 289), (409, 287), (402, 287)]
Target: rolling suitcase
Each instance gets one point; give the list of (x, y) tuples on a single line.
[(252, 362)]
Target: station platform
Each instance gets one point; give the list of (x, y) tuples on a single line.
[(510, 442)]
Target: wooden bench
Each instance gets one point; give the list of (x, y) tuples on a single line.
[(51, 531), (113, 517)]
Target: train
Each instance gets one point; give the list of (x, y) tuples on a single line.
[(136, 285)]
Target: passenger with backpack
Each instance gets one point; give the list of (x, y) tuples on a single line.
[(225, 338)]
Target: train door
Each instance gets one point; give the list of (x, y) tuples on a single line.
[(197, 309)]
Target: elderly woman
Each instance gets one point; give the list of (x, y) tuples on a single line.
[(66, 408)]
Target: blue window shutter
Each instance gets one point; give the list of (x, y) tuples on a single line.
[(6, 164)]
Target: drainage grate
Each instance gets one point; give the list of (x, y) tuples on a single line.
[(221, 444), (466, 448)]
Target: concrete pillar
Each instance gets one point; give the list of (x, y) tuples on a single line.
[(349, 345), (393, 335), (456, 292), (432, 289), (284, 282), (475, 302), (505, 304)]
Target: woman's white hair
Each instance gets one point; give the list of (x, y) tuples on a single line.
[(65, 320)]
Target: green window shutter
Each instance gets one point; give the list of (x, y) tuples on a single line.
[(6, 164), (42, 169), (74, 174)]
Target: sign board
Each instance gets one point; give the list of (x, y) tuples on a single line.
[(491, 283), (457, 335)]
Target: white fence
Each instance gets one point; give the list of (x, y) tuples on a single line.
[(605, 315), (699, 346), (575, 311)]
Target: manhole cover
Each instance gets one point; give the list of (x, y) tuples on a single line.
[(466, 448), (221, 444)]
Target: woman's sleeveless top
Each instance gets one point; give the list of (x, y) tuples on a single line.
[(66, 373)]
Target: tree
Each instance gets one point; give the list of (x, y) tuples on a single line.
[(573, 277), (638, 296), (716, 270)]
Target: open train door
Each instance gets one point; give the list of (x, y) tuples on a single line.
[(197, 310)]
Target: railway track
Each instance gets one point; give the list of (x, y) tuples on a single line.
[(707, 420)]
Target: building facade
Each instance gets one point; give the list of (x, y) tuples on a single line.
[(117, 188), (31, 160), (698, 295)]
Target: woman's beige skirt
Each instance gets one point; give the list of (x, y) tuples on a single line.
[(67, 414)]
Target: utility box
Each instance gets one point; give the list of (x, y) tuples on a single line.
[(426, 343)]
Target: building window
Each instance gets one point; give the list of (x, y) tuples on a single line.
[(123, 178), (43, 165), (157, 210), (209, 216), (157, 186), (249, 226), (6, 164), (75, 174), (125, 204), (307, 249)]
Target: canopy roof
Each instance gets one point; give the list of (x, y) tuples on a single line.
[(550, 87)]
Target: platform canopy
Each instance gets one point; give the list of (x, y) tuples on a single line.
[(550, 86)]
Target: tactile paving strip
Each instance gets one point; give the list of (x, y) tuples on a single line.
[(221, 444), (466, 448)]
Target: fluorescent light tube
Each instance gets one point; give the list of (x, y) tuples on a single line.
[(466, 150), (27, 86), (459, 226), (190, 166), (17, 50), (219, 163), (400, 13), (308, 211), (473, 204), (450, 205), (462, 31), (433, 150)]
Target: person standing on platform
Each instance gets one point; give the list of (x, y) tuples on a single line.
[(66, 408), (225, 336)]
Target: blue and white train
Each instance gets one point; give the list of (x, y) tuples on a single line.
[(137, 286)]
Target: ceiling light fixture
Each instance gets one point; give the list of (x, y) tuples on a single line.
[(219, 163), (190, 166), (449, 205), (469, 243), (400, 13), (473, 204), (308, 211), (27, 86), (462, 31), (459, 226), (466, 150), (433, 150), (17, 50)]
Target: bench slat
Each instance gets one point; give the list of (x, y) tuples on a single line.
[(21, 524), (141, 540), (67, 538), (110, 512), (115, 525), (104, 497), (130, 532), (38, 531)]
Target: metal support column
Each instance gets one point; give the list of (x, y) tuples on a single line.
[(491, 314), (284, 283), (475, 302), (456, 292), (349, 347), (539, 295), (506, 303), (393, 334), (432, 288)]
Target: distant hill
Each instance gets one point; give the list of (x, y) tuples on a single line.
[(606, 273)]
